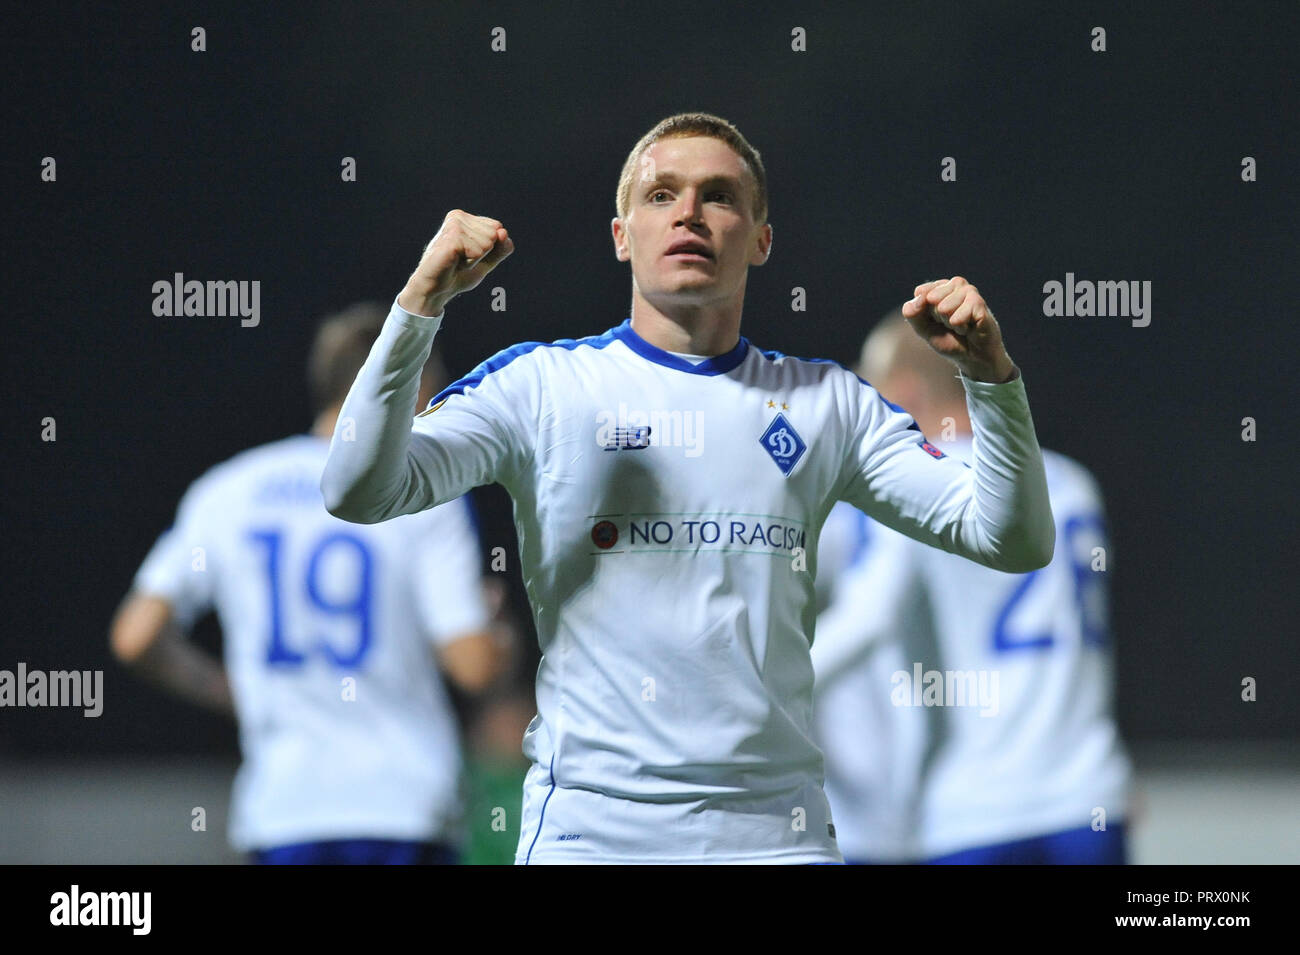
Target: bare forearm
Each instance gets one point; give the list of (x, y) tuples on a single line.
[(175, 664)]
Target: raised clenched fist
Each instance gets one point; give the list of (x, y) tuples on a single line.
[(952, 316), (459, 257)]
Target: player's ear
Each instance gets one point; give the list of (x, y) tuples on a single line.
[(620, 240), (763, 247)]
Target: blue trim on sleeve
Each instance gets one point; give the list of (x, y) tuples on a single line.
[(776, 356), (503, 358)]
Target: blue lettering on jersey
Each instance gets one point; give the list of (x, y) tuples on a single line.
[(1091, 594), (289, 490), (358, 609), (783, 443)]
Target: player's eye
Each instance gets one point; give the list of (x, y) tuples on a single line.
[(724, 196), (658, 192)]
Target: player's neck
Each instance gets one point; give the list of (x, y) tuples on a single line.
[(692, 329)]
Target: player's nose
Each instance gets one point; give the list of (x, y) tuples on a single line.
[(688, 208)]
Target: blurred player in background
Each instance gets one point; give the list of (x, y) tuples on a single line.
[(966, 714), (334, 635)]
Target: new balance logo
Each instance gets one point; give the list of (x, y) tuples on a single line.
[(632, 429), (619, 439)]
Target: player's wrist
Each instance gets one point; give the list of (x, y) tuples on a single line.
[(419, 298), (992, 373)]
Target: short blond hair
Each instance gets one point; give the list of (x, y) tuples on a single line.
[(695, 124)]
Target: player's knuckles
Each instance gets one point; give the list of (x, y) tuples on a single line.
[(441, 250), (482, 237)]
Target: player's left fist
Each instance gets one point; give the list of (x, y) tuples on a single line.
[(952, 316)]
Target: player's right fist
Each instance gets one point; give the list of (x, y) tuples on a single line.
[(460, 256)]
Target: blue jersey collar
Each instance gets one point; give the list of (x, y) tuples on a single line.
[(717, 365)]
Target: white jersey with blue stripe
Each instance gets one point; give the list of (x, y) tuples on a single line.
[(668, 516), (959, 707), (329, 634)]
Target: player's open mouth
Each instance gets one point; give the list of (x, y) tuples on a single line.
[(689, 250)]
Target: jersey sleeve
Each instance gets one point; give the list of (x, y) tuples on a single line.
[(177, 567), (868, 599), (446, 570), (995, 512), (477, 431)]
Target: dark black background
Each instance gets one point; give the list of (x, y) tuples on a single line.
[(1123, 165)]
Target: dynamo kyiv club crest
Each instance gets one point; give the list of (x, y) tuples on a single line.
[(783, 443)]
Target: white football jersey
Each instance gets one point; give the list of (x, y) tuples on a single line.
[(961, 707), (329, 632), (668, 516)]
